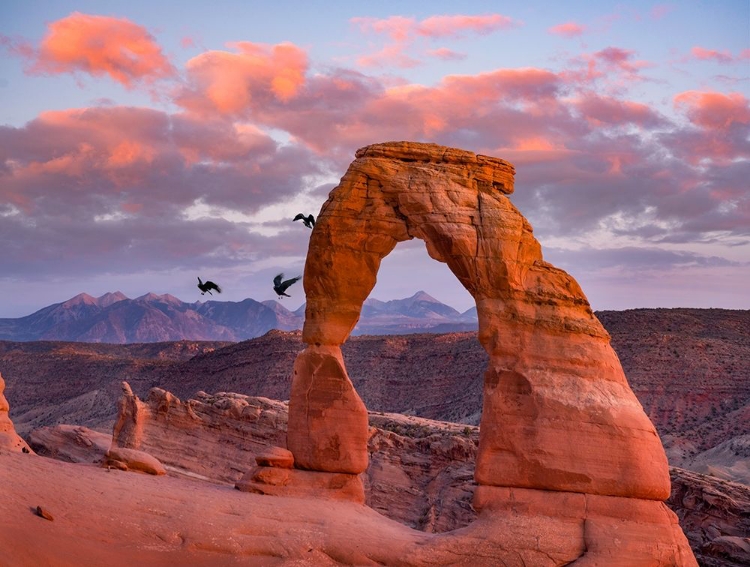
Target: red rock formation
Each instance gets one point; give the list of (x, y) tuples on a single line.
[(71, 443), (420, 473), (715, 516), (558, 412), (127, 435), (331, 424), (9, 439), (129, 425)]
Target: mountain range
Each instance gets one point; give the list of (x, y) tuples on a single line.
[(115, 318)]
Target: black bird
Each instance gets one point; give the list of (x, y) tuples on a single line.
[(308, 220), (281, 286), (207, 287)]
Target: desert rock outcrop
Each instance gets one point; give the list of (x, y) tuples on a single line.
[(558, 412), (420, 472), (127, 434), (9, 439)]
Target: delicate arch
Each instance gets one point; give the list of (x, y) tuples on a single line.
[(558, 413)]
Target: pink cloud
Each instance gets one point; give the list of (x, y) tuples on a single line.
[(498, 103), (398, 28), (706, 54), (114, 149), (108, 190), (601, 110), (401, 29), (713, 110), (568, 29), (403, 32), (17, 46), (616, 65), (453, 26), (187, 42), (446, 54), (719, 131), (101, 45), (390, 56), (229, 83)]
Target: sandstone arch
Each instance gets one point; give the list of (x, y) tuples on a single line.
[(558, 412)]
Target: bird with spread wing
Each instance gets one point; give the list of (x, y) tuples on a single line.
[(207, 287), (309, 220), (280, 285)]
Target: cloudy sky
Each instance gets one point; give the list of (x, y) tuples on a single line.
[(143, 144)]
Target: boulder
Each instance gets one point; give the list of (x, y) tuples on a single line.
[(133, 460)]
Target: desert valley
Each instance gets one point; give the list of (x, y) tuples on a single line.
[(690, 368)]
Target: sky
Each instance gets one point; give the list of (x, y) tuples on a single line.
[(144, 144)]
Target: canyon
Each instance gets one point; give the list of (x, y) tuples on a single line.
[(689, 368)]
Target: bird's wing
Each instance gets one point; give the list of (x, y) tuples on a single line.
[(311, 219), (289, 282), (299, 216), (277, 280), (217, 288)]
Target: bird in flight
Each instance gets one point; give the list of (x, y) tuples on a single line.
[(207, 287), (280, 286), (308, 220)]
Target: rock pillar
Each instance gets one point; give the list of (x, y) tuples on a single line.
[(9, 439)]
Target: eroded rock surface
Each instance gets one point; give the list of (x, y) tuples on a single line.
[(420, 472), (715, 516), (9, 439), (71, 443), (558, 413)]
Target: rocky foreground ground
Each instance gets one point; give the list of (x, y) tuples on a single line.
[(420, 472)]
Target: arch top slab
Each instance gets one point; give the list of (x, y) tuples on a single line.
[(558, 412)]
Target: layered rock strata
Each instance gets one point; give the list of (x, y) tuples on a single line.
[(558, 412), (9, 439)]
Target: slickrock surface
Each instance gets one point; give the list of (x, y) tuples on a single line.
[(9, 439), (113, 518), (70, 443), (558, 412), (420, 473)]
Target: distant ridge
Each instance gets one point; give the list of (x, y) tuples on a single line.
[(115, 318)]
